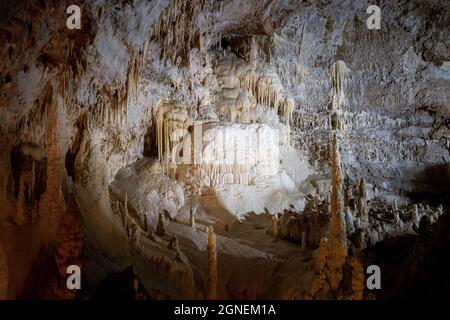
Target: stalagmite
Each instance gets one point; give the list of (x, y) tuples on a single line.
[(288, 109), (358, 276), (254, 53), (397, 220), (320, 281), (275, 226), (348, 198), (304, 239), (338, 236), (69, 238), (416, 216), (192, 217), (211, 293), (362, 200), (160, 228), (349, 220), (125, 211), (328, 202)]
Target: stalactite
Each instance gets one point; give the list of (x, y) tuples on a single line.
[(288, 109), (172, 123), (211, 293), (267, 89), (338, 71), (254, 54), (176, 26)]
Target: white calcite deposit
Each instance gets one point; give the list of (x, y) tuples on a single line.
[(223, 149)]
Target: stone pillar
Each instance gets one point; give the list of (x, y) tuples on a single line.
[(211, 293), (275, 226), (358, 276), (338, 234), (362, 200), (125, 210), (397, 220), (304, 239), (348, 199), (192, 217), (160, 228), (329, 205)]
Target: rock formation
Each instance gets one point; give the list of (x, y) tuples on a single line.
[(362, 200), (160, 228), (275, 226), (211, 289), (130, 136), (192, 217), (69, 239), (338, 235)]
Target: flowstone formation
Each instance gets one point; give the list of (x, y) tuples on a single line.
[(221, 149)]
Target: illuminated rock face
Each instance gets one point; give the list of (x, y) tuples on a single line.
[(111, 114), (246, 152), (235, 153)]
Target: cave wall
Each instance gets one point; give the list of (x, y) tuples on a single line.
[(397, 104), (83, 99)]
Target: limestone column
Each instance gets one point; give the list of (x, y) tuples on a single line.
[(125, 210), (275, 226), (160, 228), (192, 217), (338, 235), (358, 276), (304, 237), (362, 200), (211, 293)]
